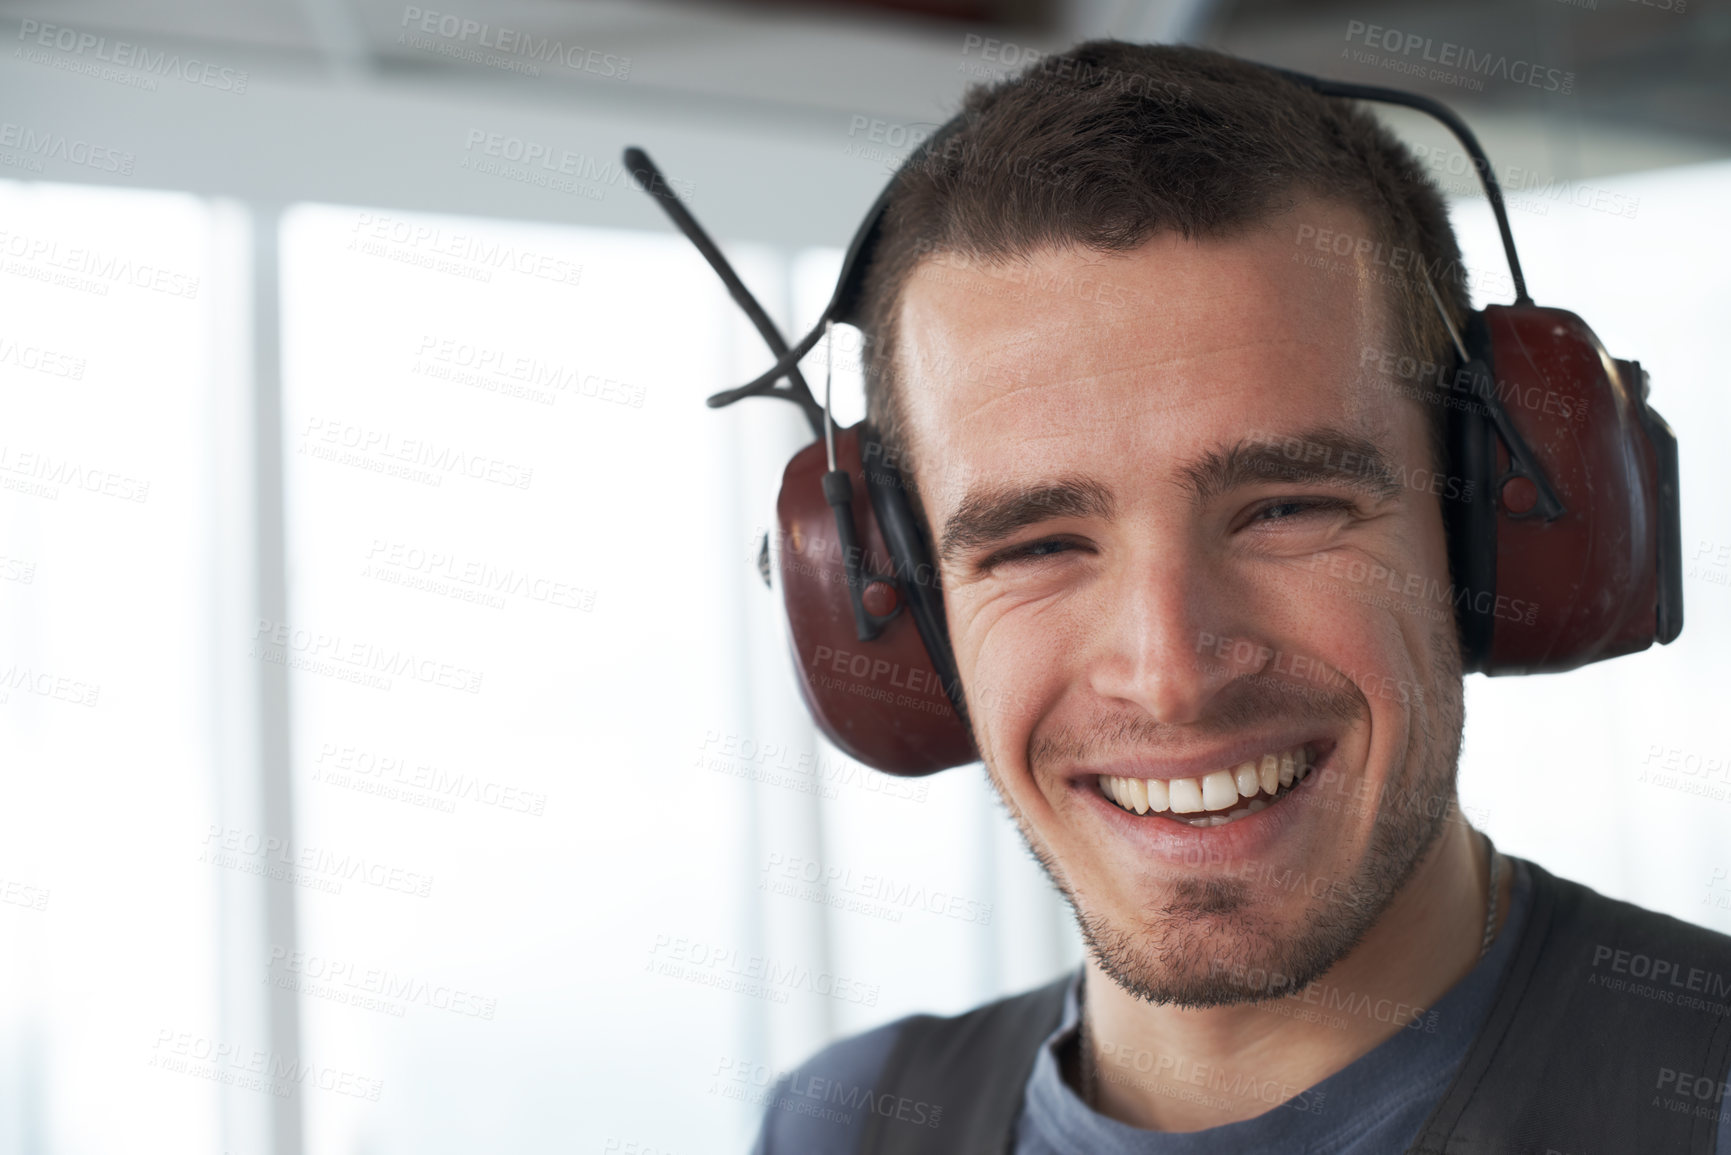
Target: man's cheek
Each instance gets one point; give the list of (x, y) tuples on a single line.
[(1003, 688), (995, 709)]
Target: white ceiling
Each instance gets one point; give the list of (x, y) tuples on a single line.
[(752, 104)]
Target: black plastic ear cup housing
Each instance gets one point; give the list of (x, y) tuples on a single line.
[(915, 571), (1471, 522)]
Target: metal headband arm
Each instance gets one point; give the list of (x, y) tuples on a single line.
[(787, 360), (1436, 110)]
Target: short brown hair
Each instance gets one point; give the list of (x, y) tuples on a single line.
[(1110, 143)]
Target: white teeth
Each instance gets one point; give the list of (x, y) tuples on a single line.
[(1248, 783), (1138, 794), (1186, 795), (1269, 775), (1258, 779), (1219, 791), (1159, 798)]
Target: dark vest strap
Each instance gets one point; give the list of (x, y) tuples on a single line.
[(1578, 1054), (971, 1069), (1610, 1033)]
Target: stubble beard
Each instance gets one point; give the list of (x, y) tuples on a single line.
[(1209, 944)]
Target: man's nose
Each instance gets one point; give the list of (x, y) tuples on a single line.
[(1172, 633)]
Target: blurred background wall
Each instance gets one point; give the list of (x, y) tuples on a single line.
[(398, 750)]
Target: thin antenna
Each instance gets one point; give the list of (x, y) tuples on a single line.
[(1454, 334), (828, 379), (1522, 461), (649, 177)]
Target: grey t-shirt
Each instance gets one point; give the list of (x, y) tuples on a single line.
[(1374, 1105)]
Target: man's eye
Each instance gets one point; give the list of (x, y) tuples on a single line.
[(1296, 508), (1030, 552)]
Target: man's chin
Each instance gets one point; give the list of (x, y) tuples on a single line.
[(1211, 947)]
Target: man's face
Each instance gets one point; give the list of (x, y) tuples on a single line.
[(1182, 530)]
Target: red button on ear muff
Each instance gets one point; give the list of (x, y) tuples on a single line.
[(1519, 494), (879, 599)]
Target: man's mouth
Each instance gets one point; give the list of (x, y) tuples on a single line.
[(1217, 798)]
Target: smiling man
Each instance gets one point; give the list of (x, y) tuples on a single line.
[(1158, 469)]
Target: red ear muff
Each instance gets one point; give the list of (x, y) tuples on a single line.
[(1570, 550), (888, 699)]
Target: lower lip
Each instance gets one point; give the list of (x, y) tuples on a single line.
[(1178, 842)]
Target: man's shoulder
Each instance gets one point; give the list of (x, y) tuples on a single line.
[(820, 1107), (1619, 925)]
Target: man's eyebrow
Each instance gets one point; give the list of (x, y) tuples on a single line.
[(1325, 454), (991, 513)]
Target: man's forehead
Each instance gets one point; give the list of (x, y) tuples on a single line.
[(1194, 340), (1000, 310)]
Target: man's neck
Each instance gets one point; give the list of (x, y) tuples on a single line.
[(1163, 1068)]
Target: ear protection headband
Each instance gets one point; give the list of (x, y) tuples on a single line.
[(1565, 549)]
